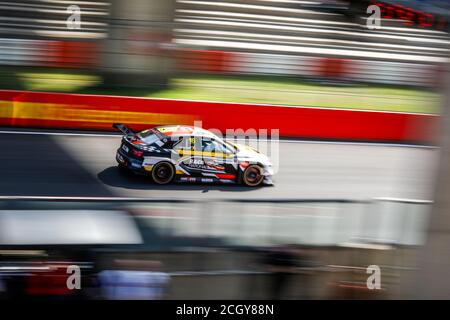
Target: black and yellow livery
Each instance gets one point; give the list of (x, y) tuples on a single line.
[(190, 154)]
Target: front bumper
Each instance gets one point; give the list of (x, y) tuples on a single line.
[(268, 173), (268, 181)]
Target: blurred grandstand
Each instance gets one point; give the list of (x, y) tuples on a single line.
[(309, 39)]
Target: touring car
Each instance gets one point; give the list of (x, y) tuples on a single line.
[(190, 154)]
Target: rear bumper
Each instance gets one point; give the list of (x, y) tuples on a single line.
[(129, 163)]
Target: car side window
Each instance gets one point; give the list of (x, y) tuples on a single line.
[(186, 143), (211, 145), (173, 144)]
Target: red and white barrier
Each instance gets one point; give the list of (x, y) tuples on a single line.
[(366, 71), (86, 55), (75, 111)]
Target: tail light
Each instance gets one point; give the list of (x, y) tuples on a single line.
[(137, 153)]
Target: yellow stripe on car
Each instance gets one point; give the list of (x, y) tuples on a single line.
[(204, 154)]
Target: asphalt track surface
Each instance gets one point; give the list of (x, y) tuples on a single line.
[(60, 164)]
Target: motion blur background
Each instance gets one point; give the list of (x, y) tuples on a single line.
[(336, 208)]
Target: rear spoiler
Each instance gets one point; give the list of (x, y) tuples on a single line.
[(123, 128)]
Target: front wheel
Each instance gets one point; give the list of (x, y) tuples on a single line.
[(253, 176), (163, 173)]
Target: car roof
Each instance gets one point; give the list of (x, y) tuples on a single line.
[(182, 130)]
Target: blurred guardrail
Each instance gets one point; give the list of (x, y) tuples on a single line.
[(223, 245), (251, 222)]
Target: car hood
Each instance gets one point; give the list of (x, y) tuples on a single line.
[(245, 152)]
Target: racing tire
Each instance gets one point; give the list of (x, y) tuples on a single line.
[(163, 173), (253, 176)]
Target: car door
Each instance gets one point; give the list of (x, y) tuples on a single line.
[(205, 157), (185, 154), (218, 159)]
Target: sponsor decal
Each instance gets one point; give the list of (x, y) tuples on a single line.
[(243, 165), (225, 176), (150, 148), (188, 179), (202, 164), (135, 164), (196, 163), (214, 165)]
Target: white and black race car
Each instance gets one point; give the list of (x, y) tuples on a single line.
[(190, 154)]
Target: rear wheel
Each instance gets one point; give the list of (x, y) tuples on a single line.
[(163, 173), (253, 176)]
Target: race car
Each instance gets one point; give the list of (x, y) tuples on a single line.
[(190, 154)]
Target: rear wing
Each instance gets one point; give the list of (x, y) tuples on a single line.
[(123, 128)]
